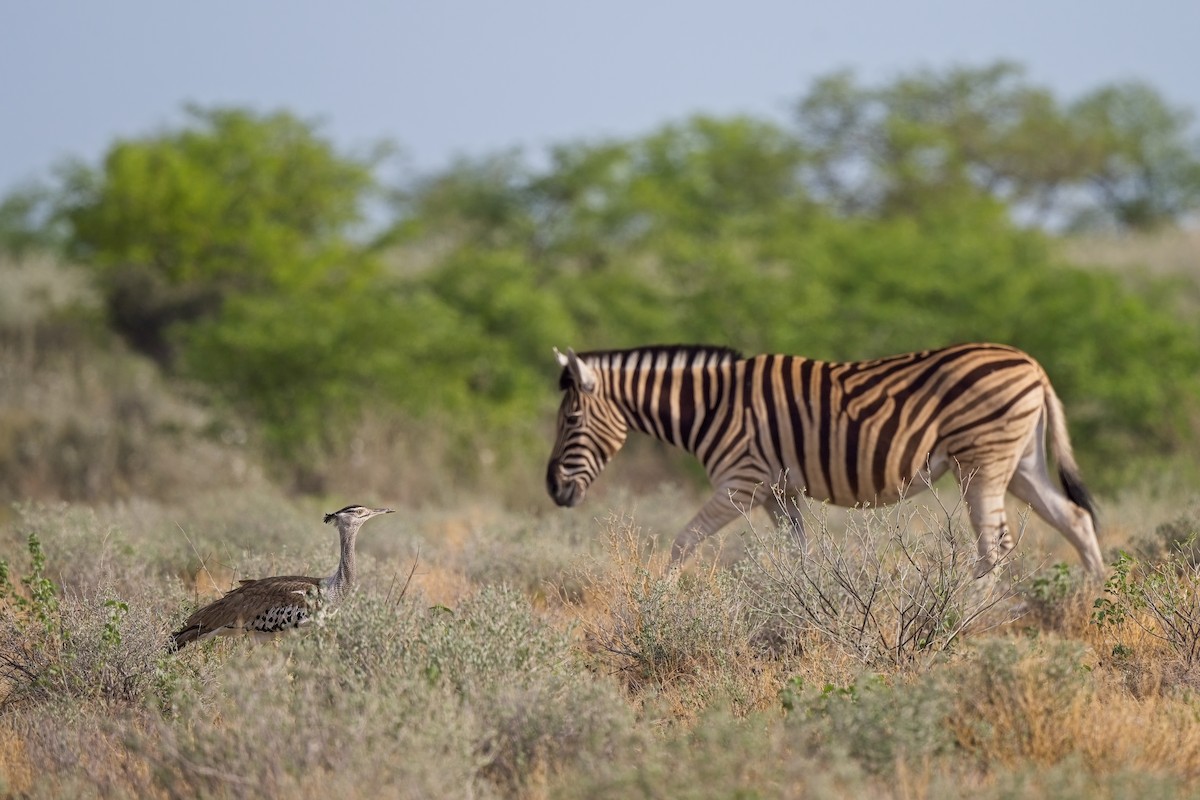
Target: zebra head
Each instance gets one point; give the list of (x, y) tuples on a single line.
[(591, 429)]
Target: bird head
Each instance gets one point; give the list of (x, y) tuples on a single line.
[(355, 514)]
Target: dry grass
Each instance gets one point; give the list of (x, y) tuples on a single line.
[(40, 284), (1169, 252), (1172, 254), (16, 771), (1042, 705), (593, 672), (82, 419), (683, 639)]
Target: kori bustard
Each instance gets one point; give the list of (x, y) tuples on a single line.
[(268, 606)]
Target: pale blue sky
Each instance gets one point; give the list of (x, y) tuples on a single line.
[(449, 78)]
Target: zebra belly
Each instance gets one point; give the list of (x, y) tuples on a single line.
[(829, 486)]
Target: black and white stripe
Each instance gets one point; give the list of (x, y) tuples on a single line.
[(847, 432)]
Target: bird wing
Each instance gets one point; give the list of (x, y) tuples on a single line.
[(266, 605)]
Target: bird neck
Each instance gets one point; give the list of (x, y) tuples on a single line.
[(337, 584)]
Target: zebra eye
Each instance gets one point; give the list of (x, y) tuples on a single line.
[(573, 417)]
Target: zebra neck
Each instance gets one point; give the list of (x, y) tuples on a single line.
[(677, 402)]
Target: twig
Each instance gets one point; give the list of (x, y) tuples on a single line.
[(203, 563), (404, 589)]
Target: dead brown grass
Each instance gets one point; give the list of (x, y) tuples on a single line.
[(1171, 251), (212, 581), (16, 772), (1101, 723), (682, 639), (440, 585), (1167, 254)]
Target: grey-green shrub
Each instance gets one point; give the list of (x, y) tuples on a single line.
[(895, 589), (521, 682), (1158, 598), (873, 721)]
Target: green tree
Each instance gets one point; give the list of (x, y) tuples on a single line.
[(703, 232), (480, 202), (1142, 164), (232, 201), (27, 221), (1119, 155), (924, 138)]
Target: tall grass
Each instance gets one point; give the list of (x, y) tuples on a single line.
[(594, 673), (1171, 253)]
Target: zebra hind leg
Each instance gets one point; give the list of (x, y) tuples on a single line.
[(985, 504), (1032, 484)]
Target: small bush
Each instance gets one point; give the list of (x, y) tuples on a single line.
[(491, 637), (1158, 599), (873, 722), (721, 755), (93, 644), (516, 676), (1179, 536), (1012, 702), (895, 590), (1020, 707), (691, 634), (281, 719), (1058, 598)]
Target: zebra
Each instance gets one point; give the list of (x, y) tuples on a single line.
[(850, 433)]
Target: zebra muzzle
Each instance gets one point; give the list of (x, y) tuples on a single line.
[(566, 492)]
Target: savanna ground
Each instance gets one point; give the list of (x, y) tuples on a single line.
[(515, 650), (490, 653)]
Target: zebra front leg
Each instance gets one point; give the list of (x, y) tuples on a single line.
[(715, 514)]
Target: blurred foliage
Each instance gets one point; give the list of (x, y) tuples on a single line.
[(233, 198), (27, 222), (619, 244), (1119, 157), (1142, 165), (232, 250), (231, 203)]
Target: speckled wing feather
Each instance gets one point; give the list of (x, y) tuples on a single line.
[(264, 606)]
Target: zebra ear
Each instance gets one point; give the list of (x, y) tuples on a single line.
[(581, 373)]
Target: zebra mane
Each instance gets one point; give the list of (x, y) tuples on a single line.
[(689, 352), (675, 355)]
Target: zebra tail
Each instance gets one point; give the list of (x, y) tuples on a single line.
[(1068, 469)]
